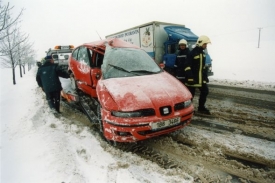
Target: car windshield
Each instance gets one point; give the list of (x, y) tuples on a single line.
[(127, 62)]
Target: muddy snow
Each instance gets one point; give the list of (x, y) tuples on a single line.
[(38, 147)]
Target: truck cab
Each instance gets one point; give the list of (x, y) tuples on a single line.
[(159, 40), (175, 34), (61, 55)]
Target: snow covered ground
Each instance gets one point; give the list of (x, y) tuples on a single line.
[(37, 147)]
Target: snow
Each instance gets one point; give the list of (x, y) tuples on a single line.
[(38, 147)]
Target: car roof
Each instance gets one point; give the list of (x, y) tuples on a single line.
[(113, 42)]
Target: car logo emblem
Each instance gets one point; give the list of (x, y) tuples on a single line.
[(165, 110)]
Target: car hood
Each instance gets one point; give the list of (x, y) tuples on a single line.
[(149, 91)]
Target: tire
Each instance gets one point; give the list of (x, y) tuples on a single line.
[(100, 119), (101, 129), (73, 83)]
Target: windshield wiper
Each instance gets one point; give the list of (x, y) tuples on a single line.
[(145, 71), (122, 69)]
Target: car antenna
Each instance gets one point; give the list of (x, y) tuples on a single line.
[(98, 35)]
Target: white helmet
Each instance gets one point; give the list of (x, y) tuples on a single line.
[(202, 40), (183, 41)]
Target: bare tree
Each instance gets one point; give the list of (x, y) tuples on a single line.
[(29, 61), (9, 48), (6, 19), (15, 49), (25, 55)]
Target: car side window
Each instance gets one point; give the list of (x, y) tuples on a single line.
[(74, 54), (84, 56), (171, 49), (99, 60)]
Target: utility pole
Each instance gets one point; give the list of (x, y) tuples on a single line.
[(259, 37)]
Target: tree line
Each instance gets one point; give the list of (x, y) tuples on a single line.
[(15, 46)]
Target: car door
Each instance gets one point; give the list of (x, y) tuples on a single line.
[(81, 67), (97, 60)]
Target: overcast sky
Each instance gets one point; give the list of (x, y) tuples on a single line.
[(53, 22)]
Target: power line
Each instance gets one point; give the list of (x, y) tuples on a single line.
[(246, 30)]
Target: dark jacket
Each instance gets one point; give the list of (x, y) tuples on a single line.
[(48, 75), (181, 62), (196, 73)]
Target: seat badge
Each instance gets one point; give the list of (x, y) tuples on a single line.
[(165, 110)]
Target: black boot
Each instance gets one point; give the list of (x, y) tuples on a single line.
[(57, 106), (51, 104), (203, 110)]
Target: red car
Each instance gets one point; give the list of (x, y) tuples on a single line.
[(136, 99)]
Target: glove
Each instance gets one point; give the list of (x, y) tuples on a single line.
[(189, 79)]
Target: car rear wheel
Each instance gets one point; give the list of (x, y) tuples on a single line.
[(73, 83)]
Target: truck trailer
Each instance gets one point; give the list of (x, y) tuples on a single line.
[(160, 41)]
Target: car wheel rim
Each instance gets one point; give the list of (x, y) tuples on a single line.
[(73, 83)]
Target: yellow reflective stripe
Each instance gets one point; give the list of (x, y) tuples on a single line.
[(190, 79), (200, 71), (195, 85), (196, 57), (187, 68)]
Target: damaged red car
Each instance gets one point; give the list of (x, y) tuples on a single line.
[(132, 97)]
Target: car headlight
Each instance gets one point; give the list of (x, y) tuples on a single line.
[(139, 113), (187, 103), (182, 105)]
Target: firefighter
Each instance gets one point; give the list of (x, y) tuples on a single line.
[(196, 73), (47, 78), (182, 53)]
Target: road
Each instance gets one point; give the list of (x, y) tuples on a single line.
[(231, 145)]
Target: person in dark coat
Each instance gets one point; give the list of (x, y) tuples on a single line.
[(196, 73), (182, 53), (47, 78)]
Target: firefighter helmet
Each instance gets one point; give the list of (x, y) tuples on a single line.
[(202, 40), (182, 41)]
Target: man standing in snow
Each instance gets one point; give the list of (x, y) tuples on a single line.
[(47, 78), (196, 73)]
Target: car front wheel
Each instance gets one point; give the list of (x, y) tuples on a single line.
[(73, 83)]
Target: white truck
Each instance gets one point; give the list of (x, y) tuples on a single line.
[(160, 41), (61, 55)]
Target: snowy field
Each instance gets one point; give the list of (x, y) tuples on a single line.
[(37, 147)]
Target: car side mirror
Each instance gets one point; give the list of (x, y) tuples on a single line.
[(162, 65)]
